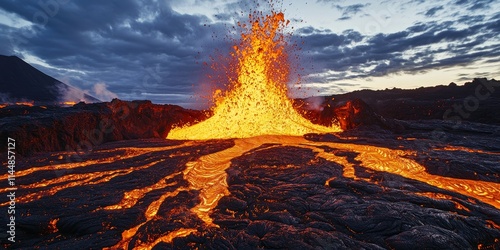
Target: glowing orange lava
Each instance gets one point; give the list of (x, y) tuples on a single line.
[(30, 104), (256, 103), (208, 175), (21, 103), (68, 103), (255, 110)]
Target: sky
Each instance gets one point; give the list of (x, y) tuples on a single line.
[(155, 49)]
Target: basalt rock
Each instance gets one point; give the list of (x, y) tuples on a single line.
[(85, 126), (357, 113), (475, 101), (279, 196), (351, 114)]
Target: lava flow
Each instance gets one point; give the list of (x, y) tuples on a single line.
[(182, 184), (250, 171), (256, 110)]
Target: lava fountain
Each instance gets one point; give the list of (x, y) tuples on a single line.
[(256, 110), (256, 114), (256, 103)]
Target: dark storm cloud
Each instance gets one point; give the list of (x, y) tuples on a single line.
[(347, 84), (223, 17), (133, 46), (432, 11), (146, 50), (416, 49), (6, 48), (352, 9), (471, 20), (348, 11), (474, 4)]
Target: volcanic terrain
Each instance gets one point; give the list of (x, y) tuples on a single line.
[(366, 188), (382, 183), (394, 169)]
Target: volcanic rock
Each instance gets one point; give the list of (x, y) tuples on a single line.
[(475, 101), (350, 115), (356, 113), (85, 126), (279, 196)]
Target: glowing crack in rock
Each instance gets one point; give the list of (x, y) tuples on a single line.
[(207, 174)]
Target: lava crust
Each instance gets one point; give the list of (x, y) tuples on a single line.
[(317, 191)]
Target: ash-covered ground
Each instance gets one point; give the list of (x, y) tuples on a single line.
[(138, 193)]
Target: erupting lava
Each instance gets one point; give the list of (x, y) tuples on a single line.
[(151, 192), (256, 110), (256, 103)]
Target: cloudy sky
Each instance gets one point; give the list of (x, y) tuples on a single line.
[(155, 49)]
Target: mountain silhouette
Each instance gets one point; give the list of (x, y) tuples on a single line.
[(21, 81)]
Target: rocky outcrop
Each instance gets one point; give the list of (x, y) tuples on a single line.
[(475, 101), (357, 113), (350, 115), (84, 126)]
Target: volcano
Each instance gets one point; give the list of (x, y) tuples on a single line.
[(254, 172), (20, 81)]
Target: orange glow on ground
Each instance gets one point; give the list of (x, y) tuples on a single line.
[(25, 103), (208, 175), (458, 148), (69, 103), (30, 104), (256, 111)]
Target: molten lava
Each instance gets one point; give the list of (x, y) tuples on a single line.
[(68, 103), (257, 112), (256, 103), (30, 104), (207, 174)]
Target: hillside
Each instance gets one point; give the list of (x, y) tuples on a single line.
[(19, 81)]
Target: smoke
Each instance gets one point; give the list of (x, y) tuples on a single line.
[(203, 96), (315, 103), (5, 98), (69, 93), (101, 92)]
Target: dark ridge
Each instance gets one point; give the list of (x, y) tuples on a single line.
[(21, 81), (475, 101), (85, 126)]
